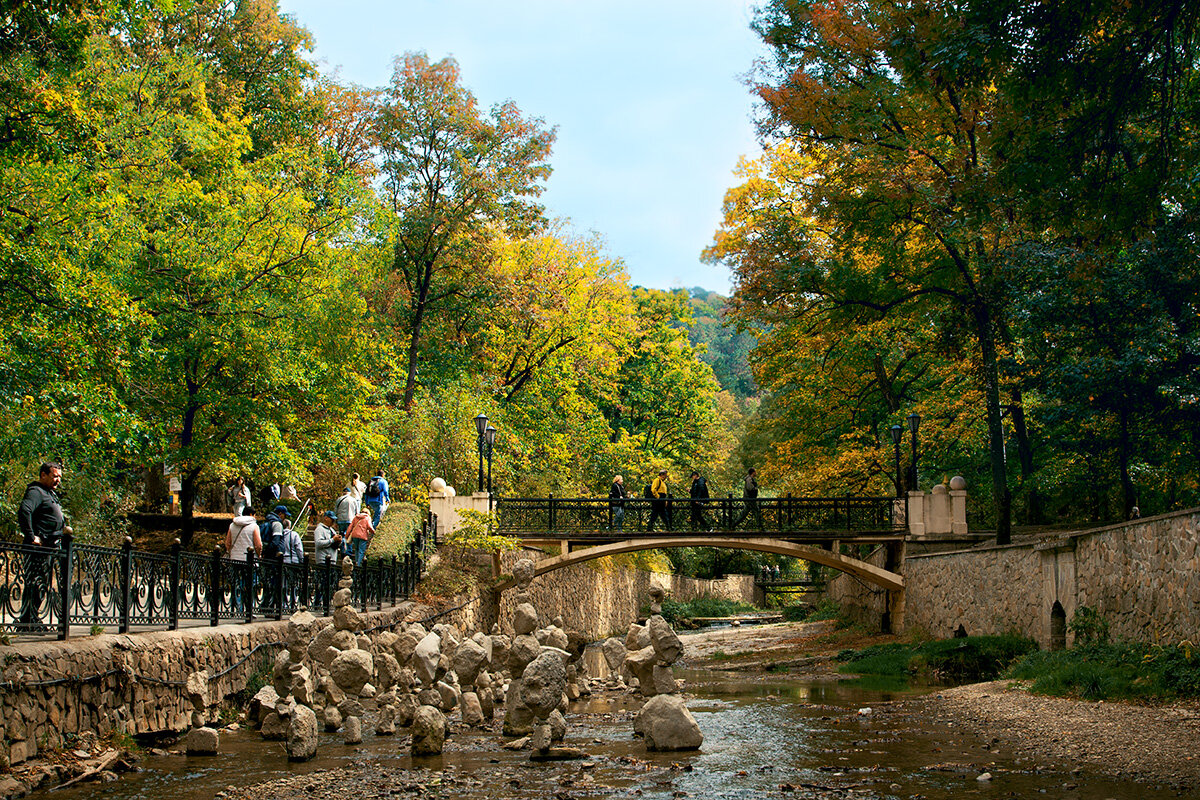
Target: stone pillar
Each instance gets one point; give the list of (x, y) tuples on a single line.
[(958, 506), (937, 521), (916, 513)]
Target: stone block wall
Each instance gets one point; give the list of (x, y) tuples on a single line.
[(126, 683), (597, 597), (1143, 576)]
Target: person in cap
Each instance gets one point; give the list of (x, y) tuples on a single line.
[(327, 540)]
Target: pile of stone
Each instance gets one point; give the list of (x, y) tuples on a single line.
[(201, 739), (652, 649)]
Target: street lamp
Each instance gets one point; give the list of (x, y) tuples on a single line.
[(914, 422), (897, 434), (481, 426), (489, 439)]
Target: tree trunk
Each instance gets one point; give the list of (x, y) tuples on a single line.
[(1033, 507), (1129, 496), (414, 339), (991, 386), (187, 501)]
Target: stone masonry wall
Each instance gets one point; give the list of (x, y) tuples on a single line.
[(597, 597), (110, 683), (1140, 575), (862, 602)]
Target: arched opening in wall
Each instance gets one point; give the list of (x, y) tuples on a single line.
[(1058, 627)]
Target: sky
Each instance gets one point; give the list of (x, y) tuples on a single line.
[(648, 96)]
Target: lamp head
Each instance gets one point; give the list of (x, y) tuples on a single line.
[(489, 435), (914, 422), (481, 423), (896, 432)]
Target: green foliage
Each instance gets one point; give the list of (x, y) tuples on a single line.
[(676, 612), (1089, 626), (965, 660), (96, 630), (826, 609), (477, 531), (1120, 670), (397, 528)]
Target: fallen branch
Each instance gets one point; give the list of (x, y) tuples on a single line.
[(106, 762)]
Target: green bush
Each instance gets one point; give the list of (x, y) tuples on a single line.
[(676, 612), (1114, 671), (397, 528), (973, 658)]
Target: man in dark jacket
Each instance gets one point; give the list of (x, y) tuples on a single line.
[(699, 495), (750, 500), (40, 519), (616, 503)]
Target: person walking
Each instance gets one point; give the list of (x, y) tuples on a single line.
[(377, 496), (616, 502), (40, 519), (292, 546), (239, 496), (346, 508), (750, 500), (699, 494), (659, 491), (327, 541), (358, 487), (359, 534)]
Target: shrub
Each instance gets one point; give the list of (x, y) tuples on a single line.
[(1089, 626), (676, 612), (1114, 671), (974, 658)]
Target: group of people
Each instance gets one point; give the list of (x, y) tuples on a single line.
[(344, 530), (659, 490)]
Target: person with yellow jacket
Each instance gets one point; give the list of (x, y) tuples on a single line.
[(658, 502)]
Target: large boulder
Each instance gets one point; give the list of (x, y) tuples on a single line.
[(637, 637), (428, 731), (525, 619), (404, 645), (352, 669), (641, 664), (425, 658), (469, 657), (666, 724), (666, 643), (501, 643), (302, 734), (203, 742), (262, 704), (387, 670), (472, 711), (523, 651), (543, 684), (614, 653)]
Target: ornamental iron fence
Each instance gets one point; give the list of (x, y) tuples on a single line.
[(792, 517), (48, 590)]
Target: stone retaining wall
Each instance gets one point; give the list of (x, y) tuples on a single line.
[(598, 598), (135, 696), (1140, 575)]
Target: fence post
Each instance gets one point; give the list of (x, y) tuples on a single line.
[(126, 573), (248, 583), (214, 588), (395, 576), (304, 582), (550, 526), (66, 567), (790, 514), (278, 568), (326, 568), (176, 569)]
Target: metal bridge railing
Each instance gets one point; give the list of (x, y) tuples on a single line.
[(44, 590), (580, 517)]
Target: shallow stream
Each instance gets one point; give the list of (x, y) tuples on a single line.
[(763, 737)]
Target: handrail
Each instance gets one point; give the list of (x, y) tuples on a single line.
[(47, 590)]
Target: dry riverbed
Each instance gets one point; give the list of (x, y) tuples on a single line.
[(1159, 743)]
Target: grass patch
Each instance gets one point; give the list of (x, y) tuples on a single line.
[(678, 613), (966, 660), (1114, 671)]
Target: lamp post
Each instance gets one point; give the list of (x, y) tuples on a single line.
[(480, 426), (897, 434), (489, 439), (914, 422)]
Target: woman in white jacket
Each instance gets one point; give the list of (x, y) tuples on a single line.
[(242, 535)]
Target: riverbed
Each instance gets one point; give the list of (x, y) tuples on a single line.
[(765, 736)]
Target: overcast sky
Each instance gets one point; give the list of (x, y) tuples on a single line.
[(647, 95)]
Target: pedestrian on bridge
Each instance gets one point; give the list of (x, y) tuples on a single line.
[(616, 502), (40, 519), (659, 491), (699, 495), (750, 500)]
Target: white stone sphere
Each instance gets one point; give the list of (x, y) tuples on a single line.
[(437, 486), (958, 483)]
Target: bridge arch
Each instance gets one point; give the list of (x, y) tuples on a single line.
[(868, 572)]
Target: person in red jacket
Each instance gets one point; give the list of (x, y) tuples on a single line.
[(359, 535)]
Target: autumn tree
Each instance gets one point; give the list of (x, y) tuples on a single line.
[(454, 178)]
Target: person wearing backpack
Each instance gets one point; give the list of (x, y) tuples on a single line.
[(658, 502), (359, 535), (346, 508), (273, 533), (292, 546), (377, 497)]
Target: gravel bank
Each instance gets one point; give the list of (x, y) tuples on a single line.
[(1144, 743)]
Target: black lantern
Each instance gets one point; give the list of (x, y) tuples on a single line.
[(897, 434), (914, 422), (489, 439), (481, 424)]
